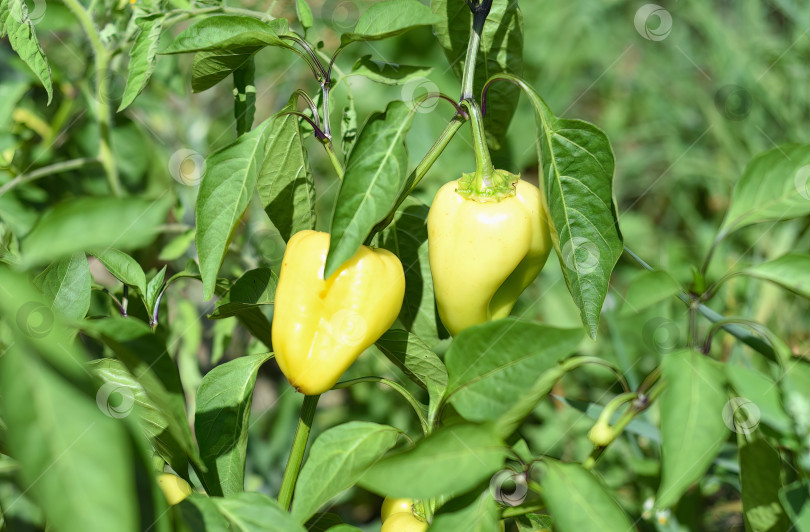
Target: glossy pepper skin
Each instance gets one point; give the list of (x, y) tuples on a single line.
[(174, 488), (485, 249), (397, 515), (320, 326)]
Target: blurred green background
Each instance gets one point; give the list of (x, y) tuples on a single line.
[(687, 92)]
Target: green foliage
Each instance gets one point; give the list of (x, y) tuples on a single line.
[(143, 221)]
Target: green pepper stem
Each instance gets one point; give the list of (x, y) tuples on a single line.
[(480, 13), (484, 169), (285, 496)]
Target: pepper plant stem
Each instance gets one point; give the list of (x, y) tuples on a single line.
[(480, 13), (297, 452), (484, 170), (103, 113)]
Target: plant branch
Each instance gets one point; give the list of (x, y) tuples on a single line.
[(757, 344), (285, 496), (103, 111), (480, 13), (51, 169)]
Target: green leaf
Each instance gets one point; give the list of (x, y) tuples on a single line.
[(791, 271), (304, 14), (154, 424), (177, 246), (388, 73), (577, 501), (388, 18), (471, 513), (226, 187), (122, 267), (211, 67), (452, 460), (256, 512), (201, 514), (533, 522), (244, 90), (221, 422), (73, 460), (255, 288), (501, 51), (228, 32), (147, 359), (15, 23), (796, 501), (338, 458), (410, 354), (285, 183), (775, 185), (492, 364), (692, 427), (153, 290), (406, 237), (66, 285), (760, 482), (375, 174), (647, 289), (763, 392), (93, 223), (578, 165), (142, 57)]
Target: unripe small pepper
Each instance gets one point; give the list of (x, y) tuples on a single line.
[(174, 488), (320, 326), (488, 239), (397, 515)]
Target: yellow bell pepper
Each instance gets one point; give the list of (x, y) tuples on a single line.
[(174, 488), (485, 249), (320, 326)]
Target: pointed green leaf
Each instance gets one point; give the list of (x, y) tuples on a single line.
[(153, 422), (337, 459), (774, 186), (492, 364), (66, 285), (228, 32), (15, 23), (304, 14), (94, 223), (450, 461), (577, 161), (388, 73), (577, 501), (226, 188), (255, 512), (791, 271), (471, 513), (796, 501), (122, 267), (142, 57), (388, 18), (285, 183), (221, 422), (375, 174), (692, 427)]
